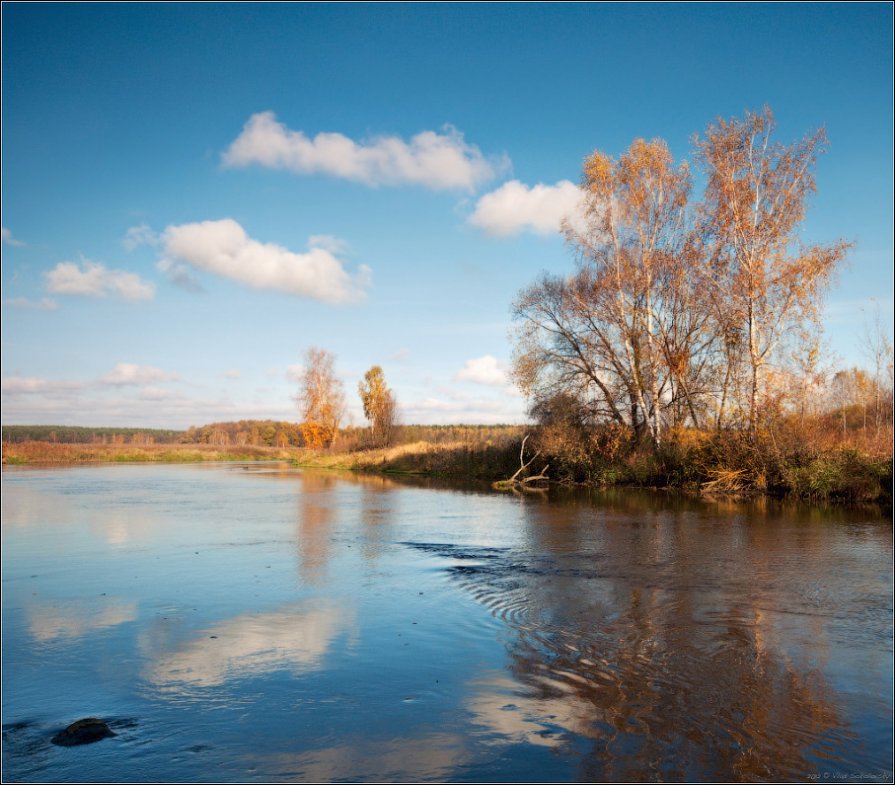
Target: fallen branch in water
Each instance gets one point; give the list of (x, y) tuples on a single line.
[(726, 481), (515, 482)]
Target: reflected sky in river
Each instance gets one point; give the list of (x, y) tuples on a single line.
[(295, 638), (74, 619), (263, 623)]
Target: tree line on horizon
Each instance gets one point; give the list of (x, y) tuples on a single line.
[(259, 433), (79, 434)]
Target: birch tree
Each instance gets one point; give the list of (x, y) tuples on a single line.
[(675, 310), (766, 281), (379, 405), (321, 399), (616, 333)]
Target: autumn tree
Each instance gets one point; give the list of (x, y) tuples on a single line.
[(877, 347), (624, 334), (809, 369), (765, 281), (379, 405), (678, 313), (321, 399)]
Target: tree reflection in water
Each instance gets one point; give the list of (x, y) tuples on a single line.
[(314, 523), (666, 653)]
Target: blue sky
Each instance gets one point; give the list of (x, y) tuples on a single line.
[(194, 194)]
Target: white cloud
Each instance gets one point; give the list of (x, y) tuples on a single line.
[(153, 393), (223, 247), (139, 235), (515, 207), (15, 385), (44, 304), (92, 279), (129, 373), (435, 160), (233, 373), (483, 370), (481, 411), (8, 239), (125, 406)]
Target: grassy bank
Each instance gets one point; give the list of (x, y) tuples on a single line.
[(456, 460), (697, 462), (719, 467), (777, 463), (34, 452)]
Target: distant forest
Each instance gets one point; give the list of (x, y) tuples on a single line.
[(255, 433), (73, 434)]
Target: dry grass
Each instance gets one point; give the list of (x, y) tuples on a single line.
[(728, 481), (48, 452), (485, 460), (371, 459), (448, 459)]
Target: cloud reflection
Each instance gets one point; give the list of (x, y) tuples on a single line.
[(297, 637), (504, 712), (432, 758), (74, 619)]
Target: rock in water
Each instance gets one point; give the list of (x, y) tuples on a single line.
[(84, 731)]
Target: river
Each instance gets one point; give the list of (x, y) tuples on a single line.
[(262, 623)]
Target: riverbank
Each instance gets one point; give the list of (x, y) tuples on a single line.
[(35, 452), (708, 466), (450, 460)]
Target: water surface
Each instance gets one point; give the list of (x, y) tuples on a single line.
[(257, 623)]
